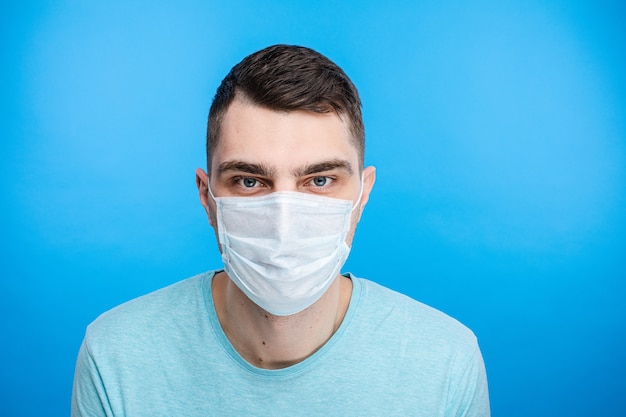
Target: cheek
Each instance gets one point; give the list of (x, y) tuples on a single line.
[(212, 218), (356, 215), (211, 211), (213, 223)]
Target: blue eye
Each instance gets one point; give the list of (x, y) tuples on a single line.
[(320, 181), (248, 182)]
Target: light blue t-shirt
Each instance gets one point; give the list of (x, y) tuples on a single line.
[(165, 354)]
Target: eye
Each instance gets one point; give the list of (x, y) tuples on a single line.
[(320, 181), (248, 182)]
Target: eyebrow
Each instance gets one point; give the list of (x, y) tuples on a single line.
[(324, 166), (247, 167), (266, 171)]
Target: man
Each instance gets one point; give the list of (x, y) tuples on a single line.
[(279, 331)]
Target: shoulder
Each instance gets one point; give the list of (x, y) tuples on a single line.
[(412, 321), (431, 359), (151, 312)]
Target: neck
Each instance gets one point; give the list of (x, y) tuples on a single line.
[(275, 342)]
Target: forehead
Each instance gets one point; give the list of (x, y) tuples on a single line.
[(287, 140)]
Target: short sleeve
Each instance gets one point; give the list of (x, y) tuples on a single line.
[(470, 397), (89, 398)]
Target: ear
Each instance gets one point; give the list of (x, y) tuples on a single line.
[(202, 182), (369, 178)]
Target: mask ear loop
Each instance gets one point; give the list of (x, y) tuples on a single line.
[(358, 201), (210, 191)]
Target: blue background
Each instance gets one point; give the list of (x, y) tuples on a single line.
[(498, 130)]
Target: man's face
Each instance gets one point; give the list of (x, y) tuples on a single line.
[(261, 151)]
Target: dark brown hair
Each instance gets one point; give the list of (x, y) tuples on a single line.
[(288, 78)]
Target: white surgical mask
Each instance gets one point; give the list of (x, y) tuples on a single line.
[(283, 249)]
